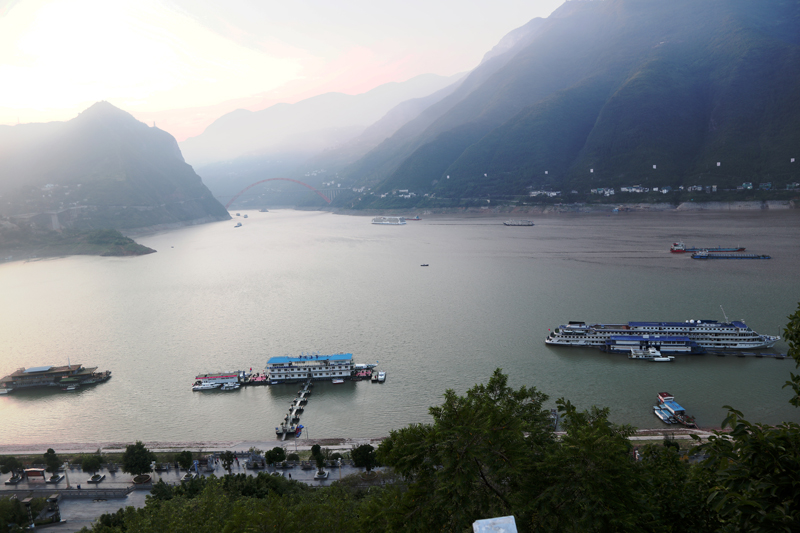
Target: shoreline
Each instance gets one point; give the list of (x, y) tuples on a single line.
[(682, 433), (548, 209)]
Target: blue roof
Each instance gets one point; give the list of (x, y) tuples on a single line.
[(673, 406), (298, 358), (38, 369), (649, 338)]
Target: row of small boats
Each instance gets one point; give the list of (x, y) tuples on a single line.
[(670, 412)]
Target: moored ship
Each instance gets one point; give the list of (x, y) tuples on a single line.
[(680, 248), (691, 336), (68, 377), (518, 223)]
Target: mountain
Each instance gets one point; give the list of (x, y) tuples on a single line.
[(306, 127), (102, 169), (599, 92)]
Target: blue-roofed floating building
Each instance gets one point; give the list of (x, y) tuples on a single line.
[(316, 367)]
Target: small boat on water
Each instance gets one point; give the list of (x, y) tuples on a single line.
[(337, 381), (245, 216), (665, 416), (200, 386), (680, 248), (424, 264), (230, 386), (381, 377), (389, 221), (650, 352), (704, 254), (238, 225), (518, 223), (415, 218)]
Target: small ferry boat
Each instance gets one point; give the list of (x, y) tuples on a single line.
[(381, 377), (646, 353), (199, 386), (704, 254), (680, 248), (518, 223), (389, 221)]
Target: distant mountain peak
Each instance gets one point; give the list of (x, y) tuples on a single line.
[(104, 111)]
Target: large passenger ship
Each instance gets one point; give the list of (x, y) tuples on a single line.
[(691, 336)]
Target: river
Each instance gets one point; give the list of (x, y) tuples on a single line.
[(216, 298)]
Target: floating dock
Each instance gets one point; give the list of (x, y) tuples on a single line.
[(290, 426)]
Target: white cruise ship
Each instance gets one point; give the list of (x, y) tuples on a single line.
[(707, 334), (389, 221)]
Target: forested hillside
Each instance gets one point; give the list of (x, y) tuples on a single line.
[(600, 92), (102, 169)]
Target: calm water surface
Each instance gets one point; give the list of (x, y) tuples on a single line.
[(218, 298)]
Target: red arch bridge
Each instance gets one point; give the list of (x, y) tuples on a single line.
[(331, 193)]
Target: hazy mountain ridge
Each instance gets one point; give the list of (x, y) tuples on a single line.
[(101, 169), (384, 159), (285, 127), (616, 86)]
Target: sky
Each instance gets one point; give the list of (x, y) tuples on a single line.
[(183, 63)]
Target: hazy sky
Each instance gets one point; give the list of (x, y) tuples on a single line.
[(183, 63)]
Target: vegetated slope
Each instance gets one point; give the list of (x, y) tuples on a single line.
[(103, 169), (617, 87), (309, 126), (384, 159)]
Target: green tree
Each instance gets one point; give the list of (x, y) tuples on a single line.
[(320, 460), (589, 480), (51, 461), (227, 459), (364, 457), (137, 459), (755, 469), (185, 459), (91, 463), (476, 460), (275, 455), (10, 464)]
